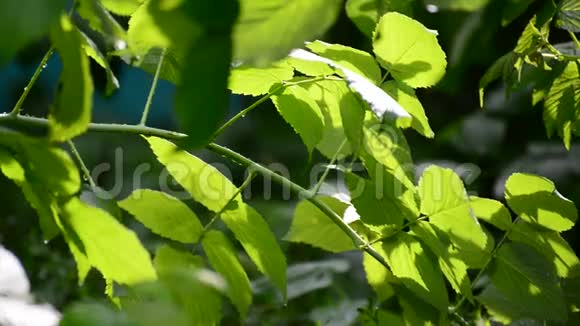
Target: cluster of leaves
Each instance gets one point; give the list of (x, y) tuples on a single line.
[(550, 70), (418, 237)]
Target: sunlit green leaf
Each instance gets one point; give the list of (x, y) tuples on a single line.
[(550, 244), (417, 311), (356, 60), (298, 108), (524, 277), (562, 104), (445, 201), (379, 276), (164, 215), (405, 95), (536, 200), (256, 81), (122, 7), (569, 15), (313, 227), (366, 13), (23, 22), (491, 211), (101, 20), (408, 50), (416, 269), (101, 236), (334, 99), (71, 112), (213, 190), (452, 267), (168, 259), (268, 30), (223, 259)]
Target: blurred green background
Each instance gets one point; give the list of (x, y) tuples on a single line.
[(483, 146)]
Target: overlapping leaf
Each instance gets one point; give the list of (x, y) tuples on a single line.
[(406, 97), (569, 16), (213, 190), (101, 236), (303, 113), (224, 260), (491, 211), (536, 200), (408, 50), (313, 227), (255, 81), (445, 201), (522, 276), (268, 30), (366, 13)]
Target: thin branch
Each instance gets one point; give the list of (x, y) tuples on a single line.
[(81, 163), (152, 90), (359, 242), (264, 98), (400, 229), (575, 39), (18, 107), (328, 167)]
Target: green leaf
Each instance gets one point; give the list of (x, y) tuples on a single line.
[(102, 237), (358, 61), (536, 200), (512, 9), (387, 158), (502, 67), (223, 259), (93, 51), (408, 50), (256, 81), (194, 289), (168, 259), (406, 97), (298, 108), (268, 30), (71, 112), (310, 68), (205, 74), (334, 99), (373, 206), (562, 104), (491, 211), (569, 16), (164, 215), (452, 267), (416, 269), (366, 13), (416, 311), (313, 227), (122, 7), (213, 190), (102, 21), (524, 277), (42, 201), (23, 22), (550, 244), (445, 201), (379, 276), (382, 318)]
